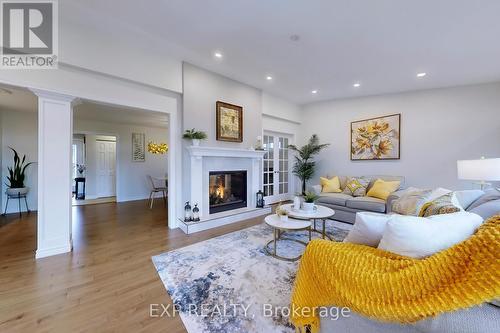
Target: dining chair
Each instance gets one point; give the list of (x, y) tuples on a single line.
[(157, 185)]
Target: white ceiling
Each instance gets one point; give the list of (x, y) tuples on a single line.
[(23, 100), (17, 99), (382, 44), (119, 115)]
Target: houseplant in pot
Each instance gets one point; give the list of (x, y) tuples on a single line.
[(304, 162), (309, 199), (17, 175), (282, 213), (195, 136)]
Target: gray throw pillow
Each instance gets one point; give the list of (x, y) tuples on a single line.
[(487, 209), (490, 195)]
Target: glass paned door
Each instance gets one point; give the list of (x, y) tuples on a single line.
[(269, 165), (276, 168)]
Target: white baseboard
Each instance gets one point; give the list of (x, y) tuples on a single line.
[(42, 253), (125, 199), (190, 228)]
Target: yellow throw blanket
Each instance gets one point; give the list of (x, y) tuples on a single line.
[(392, 288)]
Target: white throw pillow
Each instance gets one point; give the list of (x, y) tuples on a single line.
[(420, 237), (368, 229)]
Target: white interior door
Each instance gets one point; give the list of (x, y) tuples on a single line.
[(106, 168), (277, 186)]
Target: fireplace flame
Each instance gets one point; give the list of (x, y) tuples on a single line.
[(220, 191)]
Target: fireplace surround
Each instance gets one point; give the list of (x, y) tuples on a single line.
[(206, 160)]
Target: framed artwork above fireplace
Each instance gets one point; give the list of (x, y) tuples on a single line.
[(229, 122)]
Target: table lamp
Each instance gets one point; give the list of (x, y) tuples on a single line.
[(482, 170)]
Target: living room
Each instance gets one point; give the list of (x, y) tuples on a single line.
[(329, 166)]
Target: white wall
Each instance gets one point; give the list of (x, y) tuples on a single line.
[(202, 89), (438, 127), (144, 62), (131, 181), (19, 131), (279, 115)]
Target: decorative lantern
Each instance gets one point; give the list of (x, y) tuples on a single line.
[(260, 199), (187, 212), (196, 213)]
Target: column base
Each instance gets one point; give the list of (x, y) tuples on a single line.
[(51, 251)]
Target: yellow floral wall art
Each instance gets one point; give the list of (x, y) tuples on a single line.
[(376, 138)]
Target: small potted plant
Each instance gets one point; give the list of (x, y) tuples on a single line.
[(17, 175), (80, 168), (195, 136), (282, 213), (309, 199)]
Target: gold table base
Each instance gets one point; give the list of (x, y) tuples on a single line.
[(278, 236)]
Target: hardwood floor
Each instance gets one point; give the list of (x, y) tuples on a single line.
[(105, 285)]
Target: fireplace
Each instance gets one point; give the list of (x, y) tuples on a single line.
[(227, 190)]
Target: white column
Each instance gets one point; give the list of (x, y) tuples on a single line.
[(55, 136), (174, 171)]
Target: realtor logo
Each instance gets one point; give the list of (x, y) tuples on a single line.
[(29, 34)]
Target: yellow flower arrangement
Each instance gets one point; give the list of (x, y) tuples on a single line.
[(157, 148)]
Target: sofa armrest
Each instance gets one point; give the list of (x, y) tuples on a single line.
[(391, 198)]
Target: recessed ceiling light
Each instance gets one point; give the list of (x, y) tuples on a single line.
[(314, 92), (269, 78), (217, 54), (421, 74), (357, 85)]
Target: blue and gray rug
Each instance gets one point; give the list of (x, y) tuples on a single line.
[(230, 284)]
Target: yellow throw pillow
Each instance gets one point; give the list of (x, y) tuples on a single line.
[(382, 189), (330, 185)]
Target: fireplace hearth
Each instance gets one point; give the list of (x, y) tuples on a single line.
[(227, 190)]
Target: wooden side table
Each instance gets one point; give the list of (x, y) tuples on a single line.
[(78, 195)]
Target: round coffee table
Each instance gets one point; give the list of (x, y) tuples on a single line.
[(279, 227), (321, 213)]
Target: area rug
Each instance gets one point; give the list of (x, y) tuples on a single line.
[(230, 284)]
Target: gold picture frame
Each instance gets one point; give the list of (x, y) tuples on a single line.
[(229, 122), (376, 138)]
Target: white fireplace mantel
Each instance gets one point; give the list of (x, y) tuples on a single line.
[(199, 151), (204, 160)]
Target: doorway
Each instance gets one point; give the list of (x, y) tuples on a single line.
[(277, 175), (106, 168), (94, 168)]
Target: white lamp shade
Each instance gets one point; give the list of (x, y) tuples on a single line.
[(483, 169)]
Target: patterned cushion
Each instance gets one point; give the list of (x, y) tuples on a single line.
[(442, 205), (356, 187), (411, 202)]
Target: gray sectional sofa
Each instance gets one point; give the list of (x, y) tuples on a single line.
[(479, 319), (346, 206)]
